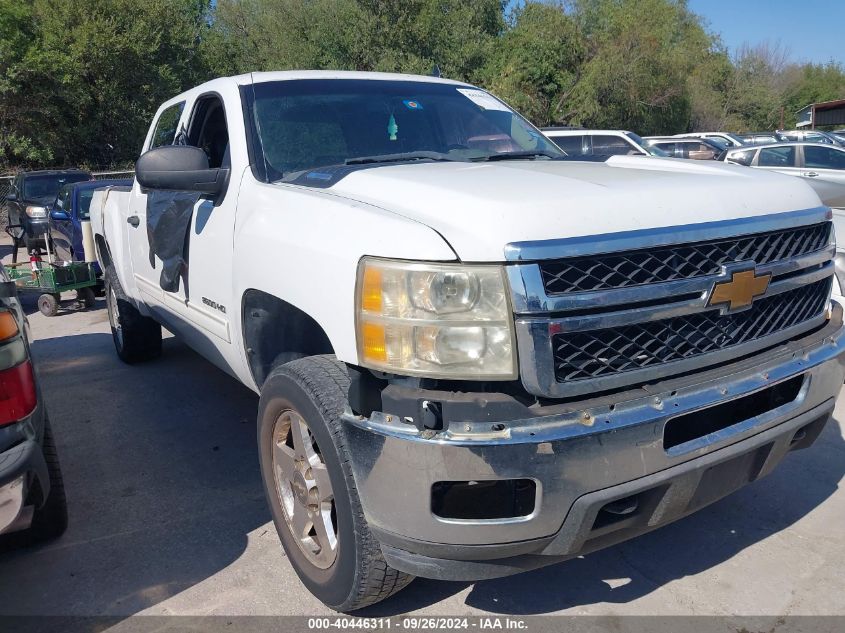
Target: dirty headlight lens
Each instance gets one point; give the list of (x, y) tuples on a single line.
[(36, 212), (438, 320)]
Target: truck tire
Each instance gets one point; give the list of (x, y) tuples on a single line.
[(86, 297), (50, 520), (310, 488), (136, 337)]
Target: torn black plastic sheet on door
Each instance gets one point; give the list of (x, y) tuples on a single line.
[(168, 221)]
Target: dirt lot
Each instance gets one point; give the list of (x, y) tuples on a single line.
[(167, 515)]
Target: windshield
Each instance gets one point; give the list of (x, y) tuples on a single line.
[(651, 149), (302, 124), (718, 142), (48, 185)]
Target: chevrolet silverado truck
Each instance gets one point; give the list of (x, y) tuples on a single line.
[(475, 356)]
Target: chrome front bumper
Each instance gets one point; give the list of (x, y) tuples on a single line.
[(596, 451)]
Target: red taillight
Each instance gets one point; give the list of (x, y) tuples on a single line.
[(17, 393)]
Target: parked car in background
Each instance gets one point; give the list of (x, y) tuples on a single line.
[(31, 195), (69, 210), (759, 138), (808, 160), (808, 136), (728, 138), (32, 495), (839, 135), (692, 148), (577, 142)]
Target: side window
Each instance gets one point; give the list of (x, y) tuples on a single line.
[(165, 129), (611, 146), (669, 148), (209, 132), (743, 158), (572, 145), (823, 157), (777, 157)]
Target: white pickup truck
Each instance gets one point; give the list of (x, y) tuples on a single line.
[(475, 356)]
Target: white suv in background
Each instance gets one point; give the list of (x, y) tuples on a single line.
[(577, 142)]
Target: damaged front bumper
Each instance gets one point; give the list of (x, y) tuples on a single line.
[(597, 472)]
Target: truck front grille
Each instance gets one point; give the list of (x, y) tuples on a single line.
[(683, 261), (602, 352)]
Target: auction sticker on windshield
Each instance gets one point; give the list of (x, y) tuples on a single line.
[(483, 99)]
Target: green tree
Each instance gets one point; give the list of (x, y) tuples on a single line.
[(537, 63), (381, 35), (84, 86)]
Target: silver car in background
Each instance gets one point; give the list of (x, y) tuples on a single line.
[(814, 161)]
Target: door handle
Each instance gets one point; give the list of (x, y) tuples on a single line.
[(811, 174), (133, 220)]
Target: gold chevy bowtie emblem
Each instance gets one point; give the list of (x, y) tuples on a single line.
[(740, 290)]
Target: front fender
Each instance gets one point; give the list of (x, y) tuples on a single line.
[(303, 246)]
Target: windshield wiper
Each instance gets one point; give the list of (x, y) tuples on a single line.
[(528, 155), (397, 158)]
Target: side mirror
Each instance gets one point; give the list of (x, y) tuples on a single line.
[(59, 214), (179, 168), (11, 197)]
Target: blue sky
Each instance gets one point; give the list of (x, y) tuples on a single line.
[(811, 30)]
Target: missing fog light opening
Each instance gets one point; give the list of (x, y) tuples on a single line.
[(483, 500)]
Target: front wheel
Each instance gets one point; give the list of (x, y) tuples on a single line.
[(311, 490)]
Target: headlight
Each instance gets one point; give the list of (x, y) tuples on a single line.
[(439, 320), (36, 212)]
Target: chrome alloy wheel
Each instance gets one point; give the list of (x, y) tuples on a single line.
[(114, 317), (304, 489)]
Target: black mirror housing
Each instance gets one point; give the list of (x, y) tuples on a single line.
[(11, 197), (180, 168)]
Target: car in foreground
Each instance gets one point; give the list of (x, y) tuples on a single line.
[(31, 195), (691, 148), (807, 160), (33, 507), (579, 142), (475, 356), (70, 208), (727, 138)]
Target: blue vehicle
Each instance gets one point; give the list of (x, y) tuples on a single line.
[(70, 208)]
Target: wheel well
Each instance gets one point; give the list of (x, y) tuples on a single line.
[(103, 250), (276, 331)]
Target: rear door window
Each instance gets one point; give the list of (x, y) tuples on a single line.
[(572, 145), (777, 157), (823, 157)]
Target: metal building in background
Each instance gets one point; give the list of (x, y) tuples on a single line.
[(819, 114)]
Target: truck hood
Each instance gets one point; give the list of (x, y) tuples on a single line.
[(481, 207)]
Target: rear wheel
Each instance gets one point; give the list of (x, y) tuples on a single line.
[(136, 337), (311, 490), (86, 297)]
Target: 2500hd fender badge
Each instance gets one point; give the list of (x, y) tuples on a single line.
[(739, 292), (214, 304)]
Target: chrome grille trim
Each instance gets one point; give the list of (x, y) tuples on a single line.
[(539, 316), (664, 236), (529, 296)]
